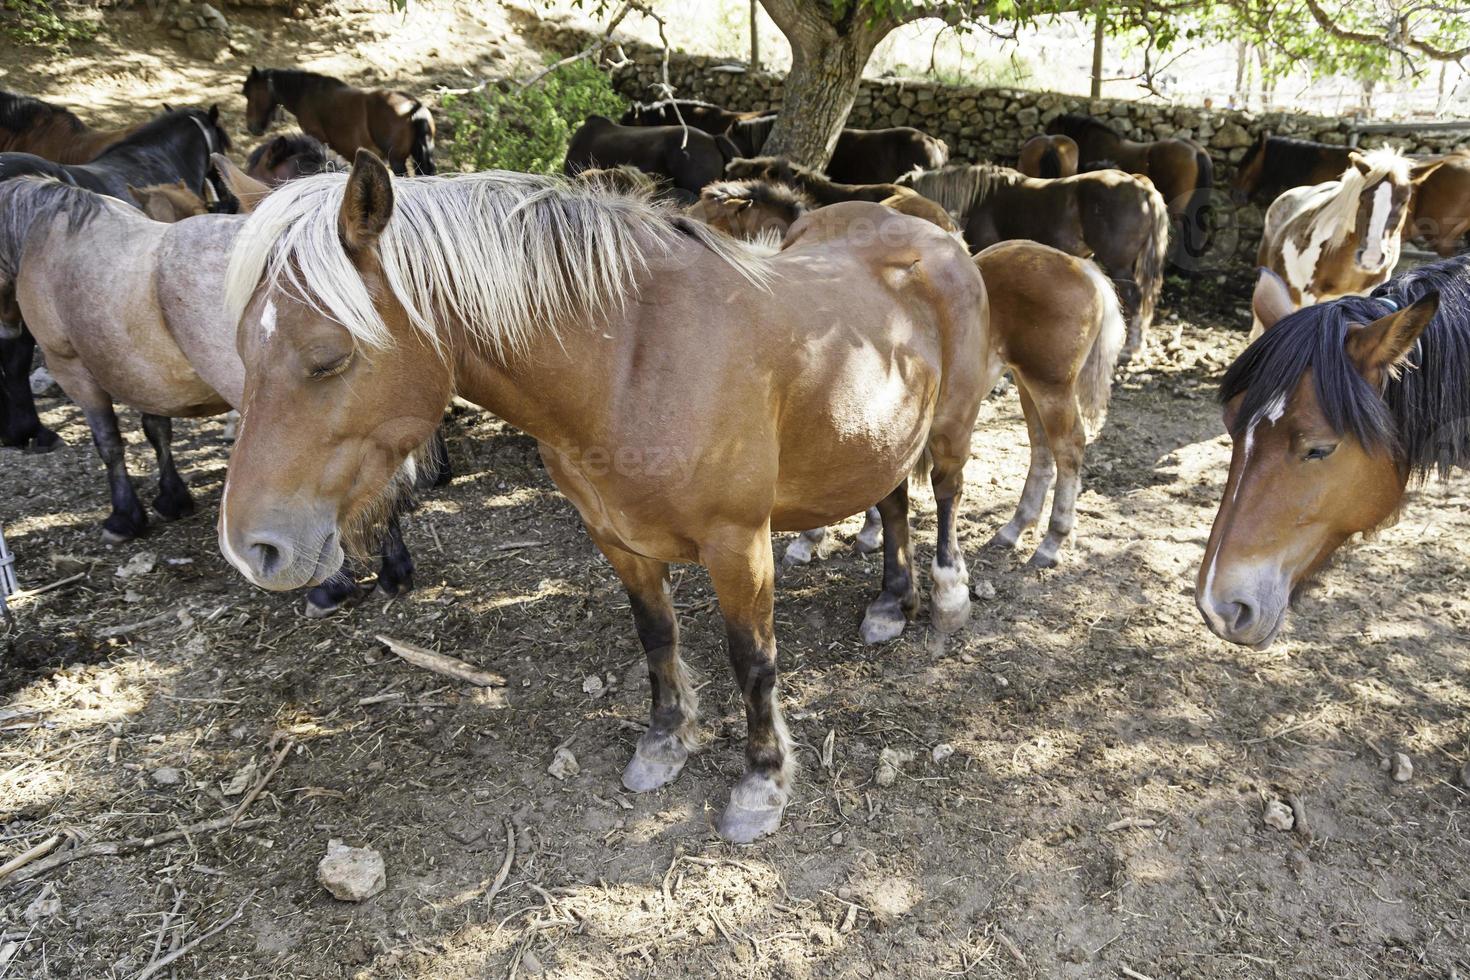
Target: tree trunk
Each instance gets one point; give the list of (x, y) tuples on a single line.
[(1099, 35), (827, 60)]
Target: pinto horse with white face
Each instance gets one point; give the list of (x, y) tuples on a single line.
[(682, 430), (1342, 237), (1333, 412)]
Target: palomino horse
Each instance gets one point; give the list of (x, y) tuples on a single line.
[(395, 126), (1117, 220), (687, 158), (174, 146), (291, 155), (1332, 412), (682, 431), (1439, 210), (1342, 237), (145, 328), (778, 171), (1181, 169), (1049, 157), (1056, 324), (860, 156), (48, 131)]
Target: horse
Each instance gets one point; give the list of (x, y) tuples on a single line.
[(681, 431), (860, 156), (1117, 220), (1333, 412), (1181, 169), (1341, 237), (823, 191), (146, 329), (1275, 164), (396, 126), (169, 202), (51, 132), (1055, 322), (751, 210), (290, 155), (1049, 157), (688, 158), (174, 146), (703, 116)]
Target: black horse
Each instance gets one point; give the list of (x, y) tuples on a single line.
[(172, 147), (861, 156), (688, 157)]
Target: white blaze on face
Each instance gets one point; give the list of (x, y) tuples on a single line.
[(1377, 224), (1272, 414), (268, 318)]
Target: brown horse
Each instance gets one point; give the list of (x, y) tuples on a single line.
[(808, 189), (860, 156), (291, 155), (169, 202), (751, 210), (1048, 156), (1181, 169), (48, 131), (1344, 236), (682, 431), (1056, 324), (1117, 220), (393, 125), (1332, 413)]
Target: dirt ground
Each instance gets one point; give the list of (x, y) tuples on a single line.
[(1099, 813)]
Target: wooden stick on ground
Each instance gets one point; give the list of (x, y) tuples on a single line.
[(441, 664), (26, 857), (158, 966), (260, 783), (121, 847)]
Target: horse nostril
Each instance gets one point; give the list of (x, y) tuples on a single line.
[(1241, 616), (267, 555)]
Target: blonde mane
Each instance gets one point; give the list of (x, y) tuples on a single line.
[(507, 255), (1338, 213)]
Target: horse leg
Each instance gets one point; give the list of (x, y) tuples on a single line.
[(1130, 298), (173, 500), (899, 601), (127, 520), (333, 594), (1038, 477), (22, 426), (395, 575), (662, 749), (949, 579), (744, 578), (1061, 419), (804, 548), (870, 538)]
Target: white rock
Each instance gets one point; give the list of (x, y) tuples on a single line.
[(942, 751), (1402, 768), (351, 874), (1278, 816), (889, 762), (593, 685), (563, 763), (984, 589), (140, 564), (167, 776)]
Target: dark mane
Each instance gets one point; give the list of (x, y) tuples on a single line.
[(162, 125), (24, 199), (785, 198), (751, 134), (20, 112), (1294, 156), (1071, 123), (312, 154), (1423, 415), (291, 83)]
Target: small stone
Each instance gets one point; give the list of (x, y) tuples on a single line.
[(1000, 680), (43, 385), (983, 589), (140, 564), (241, 781), (43, 906), (1402, 768), (942, 751), (531, 963), (836, 838), (351, 874), (1278, 816), (167, 776), (889, 762), (68, 565), (563, 763), (593, 685)]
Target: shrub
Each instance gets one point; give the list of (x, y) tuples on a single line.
[(507, 127), (42, 24)]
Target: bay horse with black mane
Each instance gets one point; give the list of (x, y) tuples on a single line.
[(1181, 169), (50, 131), (1117, 220), (174, 146), (1333, 413), (683, 431), (860, 156), (396, 126)]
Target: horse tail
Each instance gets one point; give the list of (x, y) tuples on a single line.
[(1148, 268), (422, 149), (1095, 382), (923, 469), (1196, 231), (1050, 164)]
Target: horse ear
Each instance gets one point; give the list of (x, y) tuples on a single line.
[(1271, 300), (247, 190), (167, 107), (367, 203), (214, 113), (1378, 348), (1421, 171), (1360, 162)]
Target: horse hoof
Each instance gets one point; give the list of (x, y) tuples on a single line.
[(392, 589), (866, 544), (656, 762), (756, 805), (314, 611), (1003, 540), (881, 625), (1042, 560), (172, 509), (114, 532), (46, 442), (798, 552)]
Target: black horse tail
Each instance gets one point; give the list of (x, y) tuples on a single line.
[(1050, 164), (422, 149), (1196, 212)]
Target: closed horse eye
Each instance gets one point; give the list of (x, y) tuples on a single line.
[(1319, 452), (331, 368)]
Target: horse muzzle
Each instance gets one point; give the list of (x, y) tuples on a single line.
[(284, 550), (1249, 617)]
